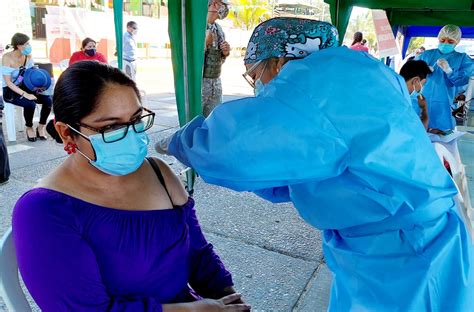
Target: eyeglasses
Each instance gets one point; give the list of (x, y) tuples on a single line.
[(248, 74), (114, 133)]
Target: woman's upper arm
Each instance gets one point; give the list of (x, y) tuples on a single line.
[(175, 188), (6, 69), (7, 78), (58, 266)]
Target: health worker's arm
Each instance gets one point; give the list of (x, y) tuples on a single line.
[(460, 76), (260, 143)]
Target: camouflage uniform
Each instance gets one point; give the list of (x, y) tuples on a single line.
[(213, 60)]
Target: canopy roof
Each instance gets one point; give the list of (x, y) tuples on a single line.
[(407, 12)]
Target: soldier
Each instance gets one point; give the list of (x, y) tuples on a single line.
[(216, 51)]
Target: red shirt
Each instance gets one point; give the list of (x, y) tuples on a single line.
[(359, 47), (81, 56)]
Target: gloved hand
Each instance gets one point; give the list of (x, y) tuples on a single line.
[(444, 65), (162, 145)]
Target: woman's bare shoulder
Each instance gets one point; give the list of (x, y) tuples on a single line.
[(7, 59), (173, 184)]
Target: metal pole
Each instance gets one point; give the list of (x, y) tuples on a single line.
[(185, 60)]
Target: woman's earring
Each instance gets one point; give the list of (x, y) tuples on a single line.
[(70, 148)]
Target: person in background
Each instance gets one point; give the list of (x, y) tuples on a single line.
[(216, 51), (415, 74), (4, 162), (420, 50), (130, 49), (14, 66), (357, 43), (111, 229), (366, 174), (88, 53), (451, 70)]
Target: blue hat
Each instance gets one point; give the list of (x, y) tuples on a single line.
[(289, 37), (36, 78)]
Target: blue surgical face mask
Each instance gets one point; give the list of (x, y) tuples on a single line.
[(27, 50), (259, 87), (446, 48), (415, 93), (90, 52), (121, 157)]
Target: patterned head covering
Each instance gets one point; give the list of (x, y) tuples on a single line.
[(289, 37)]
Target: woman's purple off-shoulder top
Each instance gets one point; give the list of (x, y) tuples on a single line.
[(78, 256)]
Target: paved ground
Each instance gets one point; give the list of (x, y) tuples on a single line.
[(276, 259)]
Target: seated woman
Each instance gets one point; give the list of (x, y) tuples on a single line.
[(109, 229), (13, 65), (88, 53)]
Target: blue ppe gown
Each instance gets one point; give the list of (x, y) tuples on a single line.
[(440, 88), (351, 154)]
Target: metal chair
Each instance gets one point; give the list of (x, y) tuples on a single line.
[(10, 289), (63, 65), (462, 199), (10, 120)]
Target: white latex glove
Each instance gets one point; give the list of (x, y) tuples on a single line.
[(444, 65), (162, 146)]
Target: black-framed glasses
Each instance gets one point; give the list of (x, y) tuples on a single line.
[(248, 74), (114, 133)]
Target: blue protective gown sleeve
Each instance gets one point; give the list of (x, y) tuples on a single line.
[(273, 156), (460, 76)]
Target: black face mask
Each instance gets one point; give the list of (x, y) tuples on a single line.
[(90, 52)]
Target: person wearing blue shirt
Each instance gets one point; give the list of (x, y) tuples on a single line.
[(451, 70), (130, 49), (352, 156)]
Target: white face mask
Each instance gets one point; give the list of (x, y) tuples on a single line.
[(414, 93)]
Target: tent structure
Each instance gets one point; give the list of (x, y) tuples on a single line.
[(409, 32), (407, 12)]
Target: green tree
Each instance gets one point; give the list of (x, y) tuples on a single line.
[(363, 23), (247, 14), (415, 43)]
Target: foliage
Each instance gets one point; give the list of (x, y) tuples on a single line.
[(363, 23), (247, 14), (416, 43)]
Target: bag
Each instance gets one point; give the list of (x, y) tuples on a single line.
[(8, 94)]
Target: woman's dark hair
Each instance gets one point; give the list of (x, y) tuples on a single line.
[(86, 42), (412, 69), (18, 39), (357, 37), (79, 90)]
